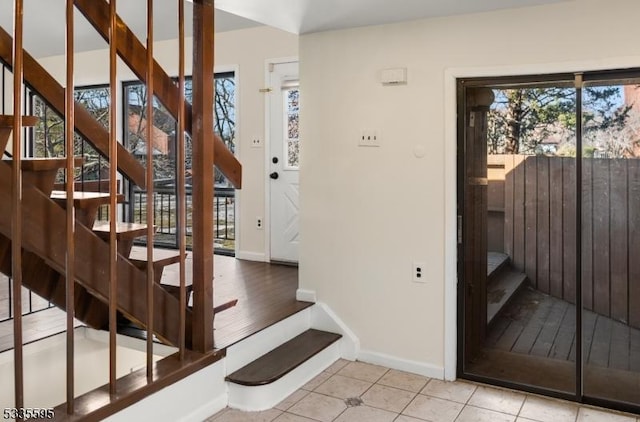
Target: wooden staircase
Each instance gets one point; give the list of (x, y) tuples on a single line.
[(44, 250), (503, 282)]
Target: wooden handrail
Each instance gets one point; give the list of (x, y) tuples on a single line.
[(133, 53), (86, 125)]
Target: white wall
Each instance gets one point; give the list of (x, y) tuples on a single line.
[(245, 52), (367, 213)]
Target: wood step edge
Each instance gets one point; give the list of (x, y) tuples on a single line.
[(157, 261), (280, 361), (496, 268), (6, 121), (44, 163), (510, 282), (123, 229)]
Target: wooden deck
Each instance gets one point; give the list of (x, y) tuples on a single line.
[(541, 325), (266, 294), (534, 342)]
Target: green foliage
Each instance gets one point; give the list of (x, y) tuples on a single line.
[(543, 119), (48, 135)]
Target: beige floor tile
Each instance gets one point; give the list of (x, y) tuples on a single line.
[(343, 387), (455, 391), (475, 414), (337, 365), (233, 415), (365, 413), (519, 419), (387, 398), (319, 407), (363, 371), (316, 381), (405, 418), (433, 409), (291, 400), (404, 380), (586, 414), (548, 410), (290, 417), (496, 399)]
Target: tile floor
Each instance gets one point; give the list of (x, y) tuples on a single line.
[(360, 392)]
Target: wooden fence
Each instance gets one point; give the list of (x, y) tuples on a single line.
[(532, 202)]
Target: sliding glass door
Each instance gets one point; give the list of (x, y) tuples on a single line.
[(549, 208), (611, 240)]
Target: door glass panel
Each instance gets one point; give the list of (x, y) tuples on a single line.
[(611, 241), (292, 116), (526, 296)]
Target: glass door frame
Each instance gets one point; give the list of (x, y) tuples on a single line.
[(577, 80)]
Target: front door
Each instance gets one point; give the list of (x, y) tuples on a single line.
[(284, 162)]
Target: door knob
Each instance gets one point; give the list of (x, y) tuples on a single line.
[(274, 175)]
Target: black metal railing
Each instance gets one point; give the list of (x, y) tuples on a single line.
[(31, 302), (164, 199)]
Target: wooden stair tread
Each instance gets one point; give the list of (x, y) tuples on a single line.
[(82, 198), (501, 290), (157, 261), (283, 359), (165, 256), (6, 121), (495, 262), (123, 229), (44, 164)]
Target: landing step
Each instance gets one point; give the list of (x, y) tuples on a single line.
[(501, 290), (495, 262), (283, 359)]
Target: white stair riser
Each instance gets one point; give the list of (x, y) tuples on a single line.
[(250, 349)]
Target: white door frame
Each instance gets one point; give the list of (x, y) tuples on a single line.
[(269, 63)]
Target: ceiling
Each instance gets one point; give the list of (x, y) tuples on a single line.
[(44, 19), (305, 16), (44, 23)]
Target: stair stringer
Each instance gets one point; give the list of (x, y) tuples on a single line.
[(257, 398), (45, 85), (42, 215)]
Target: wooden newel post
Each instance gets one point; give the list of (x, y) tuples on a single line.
[(478, 102), (203, 174)]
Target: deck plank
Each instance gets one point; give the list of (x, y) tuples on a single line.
[(619, 347), (599, 354), (550, 328), (533, 327), (565, 339), (538, 325)]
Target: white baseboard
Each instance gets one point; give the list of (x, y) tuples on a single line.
[(401, 364), (306, 295), (251, 256)]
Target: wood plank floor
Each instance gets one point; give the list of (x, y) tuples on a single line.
[(266, 294)]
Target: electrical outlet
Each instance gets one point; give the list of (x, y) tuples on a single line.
[(256, 143), (418, 272), (259, 223), (369, 138)]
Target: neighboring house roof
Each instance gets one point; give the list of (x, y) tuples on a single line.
[(160, 139)]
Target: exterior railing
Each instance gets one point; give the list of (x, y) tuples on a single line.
[(166, 212), (31, 302)]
